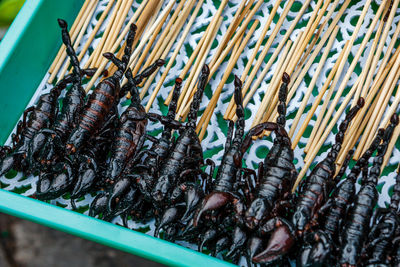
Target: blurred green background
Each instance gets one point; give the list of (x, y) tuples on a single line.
[(8, 10)]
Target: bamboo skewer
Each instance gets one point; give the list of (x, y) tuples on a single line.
[(202, 125), (72, 32), (313, 82), (73, 40), (175, 32), (259, 61), (255, 51), (173, 57), (140, 25), (319, 97), (351, 68), (273, 85), (390, 148), (198, 66), (100, 47)]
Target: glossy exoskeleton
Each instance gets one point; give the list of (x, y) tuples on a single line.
[(103, 99), (381, 238), (313, 193), (357, 224), (186, 153), (276, 174), (319, 247)]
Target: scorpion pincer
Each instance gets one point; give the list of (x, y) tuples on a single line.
[(276, 174), (319, 246), (383, 233), (103, 98), (230, 171), (314, 192), (358, 219), (186, 153)]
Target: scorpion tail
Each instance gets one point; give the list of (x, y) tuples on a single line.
[(342, 129), (281, 120), (382, 148), (212, 201), (194, 107), (70, 50), (174, 101), (239, 112), (394, 202)]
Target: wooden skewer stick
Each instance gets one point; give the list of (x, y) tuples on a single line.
[(176, 32), (352, 66), (222, 56), (264, 52), (72, 31), (78, 40), (390, 148), (255, 51), (132, 20), (98, 53), (319, 97), (197, 70), (232, 62), (305, 39), (386, 90), (236, 39), (119, 21), (163, 40), (207, 114), (361, 120), (328, 130), (73, 39), (273, 85), (150, 44), (173, 57), (313, 82), (140, 25)]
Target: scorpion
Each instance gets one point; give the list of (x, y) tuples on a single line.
[(101, 100), (313, 193), (277, 173), (357, 223), (186, 153), (319, 245), (382, 234), (35, 118), (230, 170), (144, 173)]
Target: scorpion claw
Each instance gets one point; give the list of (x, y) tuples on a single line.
[(7, 164), (119, 188), (282, 239), (213, 201)]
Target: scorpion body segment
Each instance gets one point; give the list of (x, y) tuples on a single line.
[(358, 220), (101, 100), (186, 153), (313, 193), (278, 172)]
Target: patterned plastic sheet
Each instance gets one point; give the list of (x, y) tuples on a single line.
[(215, 138)]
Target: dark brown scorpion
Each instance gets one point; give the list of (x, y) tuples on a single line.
[(357, 223), (313, 193), (101, 101), (382, 237), (319, 247), (187, 152)]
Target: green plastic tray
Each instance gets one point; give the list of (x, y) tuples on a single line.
[(26, 53)]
